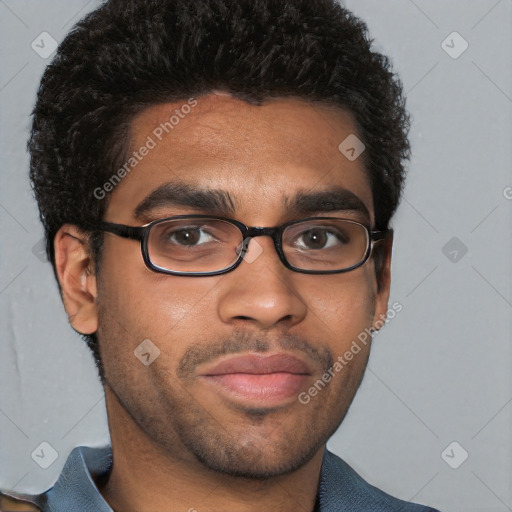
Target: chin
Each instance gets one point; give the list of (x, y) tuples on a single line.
[(256, 460)]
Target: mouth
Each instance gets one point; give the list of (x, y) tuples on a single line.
[(268, 380)]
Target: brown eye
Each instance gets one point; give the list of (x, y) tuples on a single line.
[(186, 236), (321, 238)]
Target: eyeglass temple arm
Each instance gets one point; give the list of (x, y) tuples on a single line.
[(134, 233), (380, 235)]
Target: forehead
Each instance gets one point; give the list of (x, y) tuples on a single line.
[(259, 154)]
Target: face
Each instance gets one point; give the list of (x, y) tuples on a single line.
[(205, 397)]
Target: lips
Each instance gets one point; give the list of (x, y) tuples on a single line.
[(258, 365), (262, 381)]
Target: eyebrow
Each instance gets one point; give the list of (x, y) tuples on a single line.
[(335, 199), (221, 203), (181, 194)]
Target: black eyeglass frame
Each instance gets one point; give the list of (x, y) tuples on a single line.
[(141, 233)]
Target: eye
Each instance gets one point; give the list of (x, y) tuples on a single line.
[(318, 238), (187, 236)]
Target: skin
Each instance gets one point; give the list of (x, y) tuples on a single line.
[(177, 443)]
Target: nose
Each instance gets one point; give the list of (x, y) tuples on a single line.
[(261, 290)]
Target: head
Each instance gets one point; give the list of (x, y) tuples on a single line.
[(243, 105)]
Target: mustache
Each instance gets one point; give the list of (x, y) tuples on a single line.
[(242, 342)]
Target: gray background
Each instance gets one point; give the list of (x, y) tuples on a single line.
[(440, 371)]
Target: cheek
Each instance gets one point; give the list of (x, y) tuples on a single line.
[(136, 304), (145, 304), (344, 304)]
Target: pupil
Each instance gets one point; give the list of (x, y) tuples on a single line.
[(189, 237)]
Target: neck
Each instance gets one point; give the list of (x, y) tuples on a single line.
[(147, 477)]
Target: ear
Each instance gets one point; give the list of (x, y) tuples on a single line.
[(77, 278), (382, 262)]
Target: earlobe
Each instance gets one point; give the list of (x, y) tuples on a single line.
[(77, 279)]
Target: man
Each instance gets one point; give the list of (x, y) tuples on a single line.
[(216, 180)]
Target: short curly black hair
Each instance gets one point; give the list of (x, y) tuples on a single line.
[(130, 54)]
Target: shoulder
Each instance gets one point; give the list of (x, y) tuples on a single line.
[(341, 488), (12, 504), (75, 488)]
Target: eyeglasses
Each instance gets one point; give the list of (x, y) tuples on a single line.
[(197, 245)]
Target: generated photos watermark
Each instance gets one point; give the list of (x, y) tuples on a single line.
[(152, 141), (343, 360)]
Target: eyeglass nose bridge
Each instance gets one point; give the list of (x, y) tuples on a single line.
[(253, 232)]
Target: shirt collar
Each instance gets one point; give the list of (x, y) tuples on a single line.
[(76, 486)]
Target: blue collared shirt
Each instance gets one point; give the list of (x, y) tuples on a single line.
[(341, 488)]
